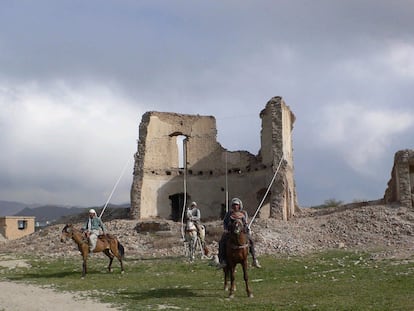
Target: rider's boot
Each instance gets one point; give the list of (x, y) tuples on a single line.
[(91, 247), (256, 263)]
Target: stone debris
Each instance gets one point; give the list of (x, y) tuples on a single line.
[(384, 230)]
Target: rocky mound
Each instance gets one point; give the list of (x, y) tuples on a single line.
[(386, 231)]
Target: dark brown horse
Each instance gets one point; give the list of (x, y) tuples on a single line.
[(237, 247), (106, 243)]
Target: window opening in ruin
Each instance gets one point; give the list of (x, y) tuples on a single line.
[(177, 203), (181, 147)]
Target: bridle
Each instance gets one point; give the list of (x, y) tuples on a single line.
[(237, 228)]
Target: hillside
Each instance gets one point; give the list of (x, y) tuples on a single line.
[(8, 208), (48, 213), (385, 231)]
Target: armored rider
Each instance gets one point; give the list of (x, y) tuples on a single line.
[(194, 214), (236, 207)]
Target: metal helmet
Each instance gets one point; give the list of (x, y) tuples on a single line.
[(237, 201)]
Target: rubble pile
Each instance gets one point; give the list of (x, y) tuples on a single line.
[(384, 230)]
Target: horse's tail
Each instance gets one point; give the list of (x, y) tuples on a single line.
[(121, 249)]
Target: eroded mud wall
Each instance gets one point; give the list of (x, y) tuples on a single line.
[(401, 185), (208, 169)]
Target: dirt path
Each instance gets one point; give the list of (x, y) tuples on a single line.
[(20, 296)]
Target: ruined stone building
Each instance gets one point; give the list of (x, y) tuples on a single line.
[(401, 185), (179, 160)]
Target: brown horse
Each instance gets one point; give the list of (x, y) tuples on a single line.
[(237, 247), (106, 243)]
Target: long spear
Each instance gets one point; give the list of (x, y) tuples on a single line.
[(113, 189), (267, 191)]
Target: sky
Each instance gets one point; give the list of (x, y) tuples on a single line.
[(76, 77)]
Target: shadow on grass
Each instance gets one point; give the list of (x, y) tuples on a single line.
[(60, 274), (165, 293), (43, 275), (134, 259)]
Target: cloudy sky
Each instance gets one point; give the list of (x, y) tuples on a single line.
[(76, 77)]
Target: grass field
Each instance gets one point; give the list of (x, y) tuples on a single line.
[(335, 280)]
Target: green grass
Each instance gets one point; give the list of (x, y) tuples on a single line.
[(335, 280)]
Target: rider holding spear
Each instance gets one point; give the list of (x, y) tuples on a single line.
[(236, 208)]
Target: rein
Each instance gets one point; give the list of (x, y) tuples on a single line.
[(237, 232), (239, 246)]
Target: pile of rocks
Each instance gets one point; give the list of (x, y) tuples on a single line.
[(384, 230)]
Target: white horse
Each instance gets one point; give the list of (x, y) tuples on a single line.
[(194, 242)]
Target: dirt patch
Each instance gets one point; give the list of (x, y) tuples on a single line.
[(19, 296)]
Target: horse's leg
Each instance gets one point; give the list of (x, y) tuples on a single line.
[(117, 253), (111, 258), (232, 277), (193, 246), (201, 241), (226, 278), (84, 254), (246, 278)]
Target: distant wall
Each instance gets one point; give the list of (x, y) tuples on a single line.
[(401, 185), (168, 176)]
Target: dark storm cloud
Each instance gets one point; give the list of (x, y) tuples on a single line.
[(76, 77)]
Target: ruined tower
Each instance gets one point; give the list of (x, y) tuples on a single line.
[(401, 185), (179, 160)]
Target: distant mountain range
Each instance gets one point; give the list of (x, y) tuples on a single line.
[(46, 213), (8, 208)]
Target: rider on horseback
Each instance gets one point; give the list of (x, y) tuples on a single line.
[(93, 227), (193, 214), (235, 212)]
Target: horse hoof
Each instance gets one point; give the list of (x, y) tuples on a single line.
[(231, 296), (250, 295), (122, 272)]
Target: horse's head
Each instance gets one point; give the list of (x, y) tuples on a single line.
[(190, 226), (236, 225), (67, 232)]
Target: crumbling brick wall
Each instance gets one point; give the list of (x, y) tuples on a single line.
[(211, 174), (401, 185)]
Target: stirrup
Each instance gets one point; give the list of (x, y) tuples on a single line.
[(256, 264)]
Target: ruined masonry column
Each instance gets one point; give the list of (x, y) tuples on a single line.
[(404, 184)]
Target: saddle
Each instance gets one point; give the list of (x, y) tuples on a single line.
[(106, 236)]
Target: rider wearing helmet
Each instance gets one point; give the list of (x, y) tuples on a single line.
[(236, 209), (194, 214), (93, 227)]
